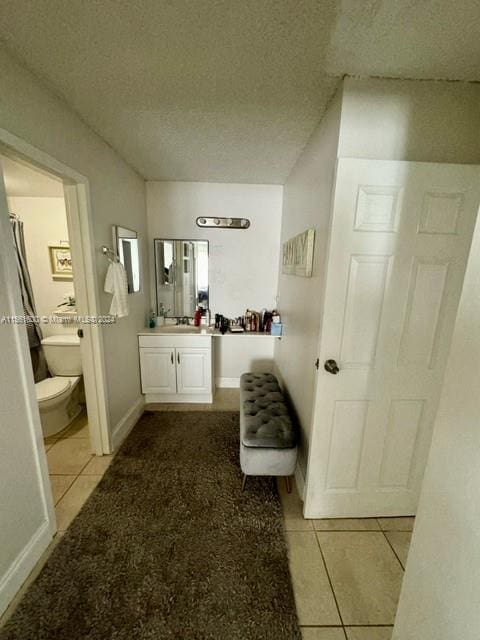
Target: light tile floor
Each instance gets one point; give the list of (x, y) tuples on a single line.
[(74, 470), (346, 573)]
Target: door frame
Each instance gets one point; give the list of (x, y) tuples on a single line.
[(79, 222)]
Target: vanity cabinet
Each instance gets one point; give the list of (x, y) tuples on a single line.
[(194, 370), (176, 368), (158, 371)]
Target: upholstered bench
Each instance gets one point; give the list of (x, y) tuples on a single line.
[(268, 437)]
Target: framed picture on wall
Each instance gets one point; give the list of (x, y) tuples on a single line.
[(60, 261)]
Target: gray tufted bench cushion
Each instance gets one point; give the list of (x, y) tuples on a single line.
[(267, 432), (264, 414)]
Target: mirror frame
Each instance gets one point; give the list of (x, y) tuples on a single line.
[(116, 240), (155, 267)]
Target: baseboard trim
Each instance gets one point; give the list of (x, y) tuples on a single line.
[(126, 424), (179, 398), (300, 482), (24, 564), (227, 383)]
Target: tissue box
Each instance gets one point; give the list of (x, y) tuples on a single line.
[(276, 329)]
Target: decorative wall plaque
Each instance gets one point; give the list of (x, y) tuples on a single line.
[(298, 254)]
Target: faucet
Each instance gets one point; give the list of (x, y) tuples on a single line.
[(183, 320)]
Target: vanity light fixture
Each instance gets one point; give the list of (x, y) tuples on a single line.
[(224, 223)]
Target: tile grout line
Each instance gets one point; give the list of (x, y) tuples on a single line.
[(66, 490), (391, 547), (67, 474), (331, 584)]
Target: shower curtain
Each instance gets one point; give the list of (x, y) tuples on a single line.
[(33, 330)]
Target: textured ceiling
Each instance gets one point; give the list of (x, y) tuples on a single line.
[(227, 90)]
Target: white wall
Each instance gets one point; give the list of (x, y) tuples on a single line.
[(243, 264), (306, 204), (44, 222), (441, 587), (426, 121), (117, 196), (117, 193), (236, 354)]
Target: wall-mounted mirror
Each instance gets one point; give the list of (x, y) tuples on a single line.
[(125, 242), (181, 276)]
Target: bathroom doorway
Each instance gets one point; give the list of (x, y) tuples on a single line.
[(60, 258), (38, 219)]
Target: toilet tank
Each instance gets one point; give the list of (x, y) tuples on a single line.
[(62, 353)]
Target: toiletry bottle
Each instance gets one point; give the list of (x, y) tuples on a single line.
[(208, 317), (151, 321), (248, 320), (197, 317)]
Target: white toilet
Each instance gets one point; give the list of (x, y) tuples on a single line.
[(58, 397)]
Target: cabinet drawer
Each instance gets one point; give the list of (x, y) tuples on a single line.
[(168, 341)]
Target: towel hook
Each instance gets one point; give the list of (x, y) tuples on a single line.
[(111, 255)]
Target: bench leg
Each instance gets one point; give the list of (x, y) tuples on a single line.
[(244, 481), (288, 484)]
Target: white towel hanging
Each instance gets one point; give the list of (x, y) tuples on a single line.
[(116, 284)]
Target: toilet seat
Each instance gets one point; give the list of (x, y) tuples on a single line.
[(52, 388)]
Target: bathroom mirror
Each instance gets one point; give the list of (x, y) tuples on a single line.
[(125, 242), (181, 276)]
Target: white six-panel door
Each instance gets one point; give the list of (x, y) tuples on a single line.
[(399, 243)]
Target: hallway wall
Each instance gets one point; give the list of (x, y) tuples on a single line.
[(423, 121), (242, 263), (117, 196), (306, 204)]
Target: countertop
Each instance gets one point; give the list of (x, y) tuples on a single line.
[(184, 330)]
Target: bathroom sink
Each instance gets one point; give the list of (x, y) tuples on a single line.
[(178, 328), (65, 312)]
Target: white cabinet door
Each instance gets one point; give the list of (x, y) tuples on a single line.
[(157, 366), (399, 244), (194, 370)]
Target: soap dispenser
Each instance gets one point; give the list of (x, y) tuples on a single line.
[(151, 320)]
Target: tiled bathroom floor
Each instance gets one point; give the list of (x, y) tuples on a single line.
[(346, 573), (74, 471)]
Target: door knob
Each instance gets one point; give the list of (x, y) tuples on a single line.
[(331, 366)]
